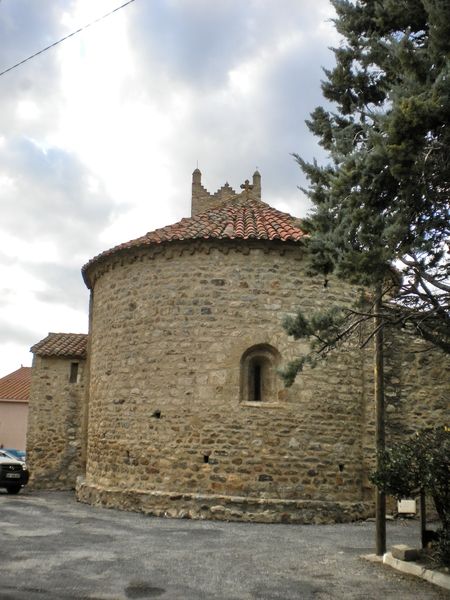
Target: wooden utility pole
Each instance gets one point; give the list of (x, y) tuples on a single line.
[(380, 500), (423, 519)]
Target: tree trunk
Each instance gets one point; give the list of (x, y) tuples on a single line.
[(380, 500)]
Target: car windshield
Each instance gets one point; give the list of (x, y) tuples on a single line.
[(19, 454), (5, 454)]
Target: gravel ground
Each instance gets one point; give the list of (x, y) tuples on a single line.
[(53, 548)]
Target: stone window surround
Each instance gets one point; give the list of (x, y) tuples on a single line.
[(74, 373), (267, 358)]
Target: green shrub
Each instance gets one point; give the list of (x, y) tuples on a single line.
[(421, 463), (441, 550)]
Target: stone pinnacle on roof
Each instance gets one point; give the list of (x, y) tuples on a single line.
[(203, 200), (197, 176)]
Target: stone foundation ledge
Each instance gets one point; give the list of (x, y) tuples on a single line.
[(223, 508)]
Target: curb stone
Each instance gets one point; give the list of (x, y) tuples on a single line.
[(411, 568)]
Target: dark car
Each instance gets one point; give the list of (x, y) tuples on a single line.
[(13, 473)]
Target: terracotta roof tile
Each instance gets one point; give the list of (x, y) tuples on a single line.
[(69, 345), (239, 218), (16, 385)]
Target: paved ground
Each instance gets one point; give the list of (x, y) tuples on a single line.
[(53, 548)]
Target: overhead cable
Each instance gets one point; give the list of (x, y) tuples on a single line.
[(65, 38)]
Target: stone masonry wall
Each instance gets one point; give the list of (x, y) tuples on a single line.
[(418, 385), (54, 423), (169, 329), (417, 394)]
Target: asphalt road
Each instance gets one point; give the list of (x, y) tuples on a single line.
[(53, 548)]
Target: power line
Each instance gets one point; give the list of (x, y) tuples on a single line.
[(65, 37)]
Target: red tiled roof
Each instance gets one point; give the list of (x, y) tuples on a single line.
[(247, 219), (16, 385), (69, 345)]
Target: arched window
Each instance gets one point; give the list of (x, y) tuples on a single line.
[(258, 374)]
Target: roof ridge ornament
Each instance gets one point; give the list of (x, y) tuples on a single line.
[(247, 187)]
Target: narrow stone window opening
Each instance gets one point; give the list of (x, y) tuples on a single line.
[(341, 467), (256, 376), (73, 377), (205, 458), (259, 381)]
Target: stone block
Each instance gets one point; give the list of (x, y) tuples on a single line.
[(404, 552)]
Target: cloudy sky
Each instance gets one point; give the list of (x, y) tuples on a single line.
[(99, 136)]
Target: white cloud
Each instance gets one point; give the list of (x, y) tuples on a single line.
[(27, 109), (33, 250)]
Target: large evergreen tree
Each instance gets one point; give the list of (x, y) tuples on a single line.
[(381, 205), (381, 214)]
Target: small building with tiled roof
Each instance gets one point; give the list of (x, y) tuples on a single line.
[(172, 404), (14, 395), (67, 345), (56, 412)]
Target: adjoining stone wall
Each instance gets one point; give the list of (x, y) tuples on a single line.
[(169, 329), (418, 385), (417, 396), (417, 390), (54, 423)]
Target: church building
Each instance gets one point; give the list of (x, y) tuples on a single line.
[(172, 404)]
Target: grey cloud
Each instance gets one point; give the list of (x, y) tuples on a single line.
[(292, 91), (16, 334), (25, 28), (64, 285), (263, 129), (199, 41), (51, 199), (191, 41)]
